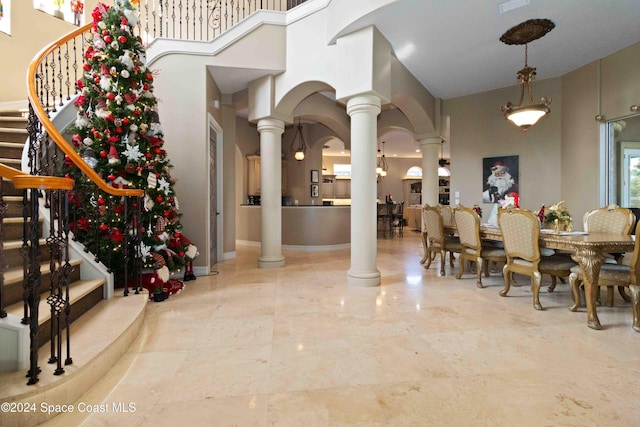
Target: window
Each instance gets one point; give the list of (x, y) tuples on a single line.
[(414, 172), (67, 10), (5, 16), (342, 169)]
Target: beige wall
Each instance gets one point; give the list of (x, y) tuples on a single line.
[(478, 130), (31, 30)]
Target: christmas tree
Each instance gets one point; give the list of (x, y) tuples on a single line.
[(117, 132)]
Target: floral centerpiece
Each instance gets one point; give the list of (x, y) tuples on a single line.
[(477, 209), (558, 216)]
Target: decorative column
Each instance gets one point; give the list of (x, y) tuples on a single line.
[(430, 188), (271, 192), (363, 111)]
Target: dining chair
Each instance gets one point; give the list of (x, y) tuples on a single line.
[(435, 240), (467, 224), (520, 231), (614, 275), (397, 220), (610, 219)]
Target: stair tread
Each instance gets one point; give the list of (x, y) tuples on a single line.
[(17, 244), (109, 319), (17, 220), (15, 274), (12, 144), (77, 290), (14, 130)]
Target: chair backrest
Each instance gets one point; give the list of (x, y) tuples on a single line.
[(610, 219), (447, 215), (520, 231), (433, 226), (468, 227)]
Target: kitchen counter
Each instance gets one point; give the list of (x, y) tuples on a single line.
[(304, 227)]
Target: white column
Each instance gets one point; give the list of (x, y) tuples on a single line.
[(363, 111), (430, 147), (271, 192)]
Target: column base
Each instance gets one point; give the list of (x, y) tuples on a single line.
[(363, 279), (270, 262)]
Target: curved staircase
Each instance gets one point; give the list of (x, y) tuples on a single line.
[(115, 321)]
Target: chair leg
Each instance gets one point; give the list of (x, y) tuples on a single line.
[(623, 294), (554, 281), (425, 245), (443, 257), (536, 278), (480, 265), (635, 302), (507, 281), (609, 296), (463, 263), (575, 291), (451, 259)]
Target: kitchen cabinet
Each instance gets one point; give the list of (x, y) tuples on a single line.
[(253, 175)]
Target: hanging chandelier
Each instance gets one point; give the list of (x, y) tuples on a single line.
[(442, 169), (381, 167), (300, 148), (525, 116)]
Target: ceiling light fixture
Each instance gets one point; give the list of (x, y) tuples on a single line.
[(302, 147), (381, 167), (525, 116), (442, 170)]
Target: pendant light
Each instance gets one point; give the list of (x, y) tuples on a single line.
[(300, 148), (442, 169)]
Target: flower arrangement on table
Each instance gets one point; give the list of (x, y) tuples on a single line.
[(477, 209), (558, 215)]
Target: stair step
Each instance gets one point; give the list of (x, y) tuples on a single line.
[(13, 134), (11, 149), (12, 227), (15, 113), (116, 322), (11, 162), (14, 122), (77, 290)]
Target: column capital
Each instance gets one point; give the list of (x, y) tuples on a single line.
[(364, 104), (430, 140), (271, 124)]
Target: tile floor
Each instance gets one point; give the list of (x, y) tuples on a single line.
[(297, 346)]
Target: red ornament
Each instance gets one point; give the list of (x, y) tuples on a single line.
[(104, 227), (119, 130), (86, 66), (110, 96), (181, 254), (147, 155), (103, 154), (111, 177), (149, 76), (146, 86), (96, 80), (108, 39), (159, 199), (105, 32), (125, 121), (102, 201), (122, 39), (165, 214), (136, 112), (176, 234), (157, 150), (116, 235)]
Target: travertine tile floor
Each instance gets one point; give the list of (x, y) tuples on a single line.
[(299, 347)]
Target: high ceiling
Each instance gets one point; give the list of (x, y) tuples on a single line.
[(453, 46)]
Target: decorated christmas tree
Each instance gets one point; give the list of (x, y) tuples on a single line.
[(117, 132)]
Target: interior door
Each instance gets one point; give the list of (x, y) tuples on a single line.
[(213, 200)]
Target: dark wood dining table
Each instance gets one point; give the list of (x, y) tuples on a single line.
[(587, 249)]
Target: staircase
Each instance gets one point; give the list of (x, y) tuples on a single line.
[(90, 312)]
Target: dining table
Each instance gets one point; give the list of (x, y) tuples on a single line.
[(587, 249)]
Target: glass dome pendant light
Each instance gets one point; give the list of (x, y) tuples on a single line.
[(301, 148)]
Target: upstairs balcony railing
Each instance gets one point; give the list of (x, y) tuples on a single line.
[(200, 20)]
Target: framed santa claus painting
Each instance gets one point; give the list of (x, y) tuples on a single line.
[(500, 178)]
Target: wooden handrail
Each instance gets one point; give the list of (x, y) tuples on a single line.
[(53, 132), (24, 181)]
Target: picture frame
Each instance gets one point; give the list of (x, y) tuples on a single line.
[(500, 178), (315, 176), (315, 190)]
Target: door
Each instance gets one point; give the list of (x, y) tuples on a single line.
[(213, 199)]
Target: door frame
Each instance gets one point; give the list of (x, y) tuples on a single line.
[(214, 127)]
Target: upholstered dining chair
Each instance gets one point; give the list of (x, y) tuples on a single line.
[(610, 219), (472, 249), (520, 231), (615, 275), (435, 240)]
